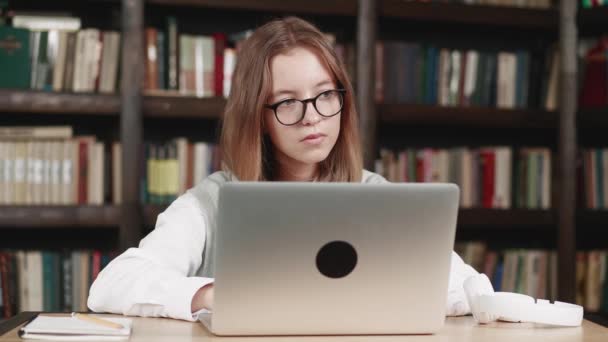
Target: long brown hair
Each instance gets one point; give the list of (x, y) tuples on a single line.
[(245, 150)]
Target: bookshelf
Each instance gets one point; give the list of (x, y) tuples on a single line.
[(133, 107), (49, 217)]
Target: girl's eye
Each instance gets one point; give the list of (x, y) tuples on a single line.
[(289, 102)]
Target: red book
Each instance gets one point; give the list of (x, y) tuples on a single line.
[(83, 171), (594, 92), (96, 264), (419, 166), (4, 265), (151, 61), (488, 160), (220, 45)]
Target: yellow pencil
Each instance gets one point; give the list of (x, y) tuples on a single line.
[(97, 320)]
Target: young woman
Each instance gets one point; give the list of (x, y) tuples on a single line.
[(290, 117)]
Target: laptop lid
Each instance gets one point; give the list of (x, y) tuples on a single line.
[(333, 258)]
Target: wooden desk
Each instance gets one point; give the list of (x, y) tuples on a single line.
[(456, 329)]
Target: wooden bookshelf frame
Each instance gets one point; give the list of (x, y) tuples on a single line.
[(69, 216), (131, 106)]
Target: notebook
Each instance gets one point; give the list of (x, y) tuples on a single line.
[(67, 328)]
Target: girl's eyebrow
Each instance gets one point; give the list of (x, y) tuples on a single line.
[(292, 92)]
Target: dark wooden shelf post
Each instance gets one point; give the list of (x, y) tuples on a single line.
[(366, 56), (131, 123), (566, 244)]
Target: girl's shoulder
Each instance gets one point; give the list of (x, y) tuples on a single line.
[(372, 178), (206, 192)]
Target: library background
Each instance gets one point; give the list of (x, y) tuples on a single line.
[(110, 109)]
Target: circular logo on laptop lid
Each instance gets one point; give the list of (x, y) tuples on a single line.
[(336, 259)]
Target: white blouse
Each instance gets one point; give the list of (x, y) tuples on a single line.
[(161, 276)]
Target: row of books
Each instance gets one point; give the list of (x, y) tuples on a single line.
[(415, 73), (594, 176), (48, 165), (199, 65), (51, 281), (508, 3), (527, 271), (48, 54), (534, 272), (593, 3), (486, 176), (193, 65), (174, 167)]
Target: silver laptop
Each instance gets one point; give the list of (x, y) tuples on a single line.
[(332, 258)]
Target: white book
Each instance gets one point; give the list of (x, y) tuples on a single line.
[(31, 187), (93, 56), (34, 280), (208, 66), (46, 175), (9, 173), (510, 99), (46, 23), (79, 62), (471, 74), (67, 171), (182, 162), (501, 82), (502, 181), (455, 74), (110, 61), (229, 64), (116, 173), (551, 99), (60, 61), (201, 166), (444, 77), (22, 283), (444, 166), (20, 173), (199, 70), (52, 53), (55, 181)]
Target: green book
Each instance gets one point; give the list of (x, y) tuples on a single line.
[(15, 64)]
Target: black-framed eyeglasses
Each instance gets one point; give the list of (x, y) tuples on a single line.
[(291, 111)]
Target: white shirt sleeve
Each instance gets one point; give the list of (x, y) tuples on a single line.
[(156, 279), (457, 304)]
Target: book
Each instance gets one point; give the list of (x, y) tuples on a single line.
[(71, 328), (14, 57)]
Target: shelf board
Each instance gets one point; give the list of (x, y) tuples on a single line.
[(503, 16), (30, 101), (183, 107), (593, 117), (88, 216), (323, 7), (465, 116), (505, 218), (592, 218), (592, 21)]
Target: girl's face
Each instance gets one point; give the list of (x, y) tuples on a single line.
[(299, 74)]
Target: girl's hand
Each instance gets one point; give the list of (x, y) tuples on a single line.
[(203, 298)]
